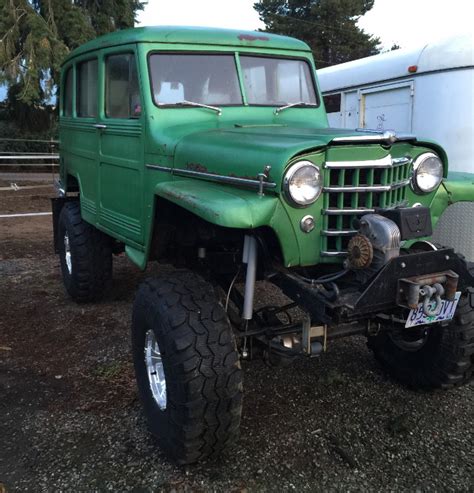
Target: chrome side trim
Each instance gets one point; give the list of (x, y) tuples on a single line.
[(346, 212), (232, 180), (159, 168), (325, 253), (383, 163), (341, 232), (388, 137)]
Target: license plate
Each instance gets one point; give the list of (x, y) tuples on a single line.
[(448, 308)]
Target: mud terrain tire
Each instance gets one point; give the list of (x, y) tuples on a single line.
[(444, 361), (203, 379), (85, 255)]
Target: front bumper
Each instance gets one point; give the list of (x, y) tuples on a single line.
[(380, 294)]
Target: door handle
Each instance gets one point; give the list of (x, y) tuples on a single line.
[(100, 126)]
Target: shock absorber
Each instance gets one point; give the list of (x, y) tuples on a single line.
[(249, 257)]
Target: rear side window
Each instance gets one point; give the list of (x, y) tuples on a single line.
[(87, 89), (122, 94), (67, 101)]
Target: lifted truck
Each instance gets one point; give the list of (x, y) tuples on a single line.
[(210, 150)]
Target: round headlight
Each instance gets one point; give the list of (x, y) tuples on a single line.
[(302, 184), (427, 172)]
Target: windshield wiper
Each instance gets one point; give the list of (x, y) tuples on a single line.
[(199, 105), (293, 105)]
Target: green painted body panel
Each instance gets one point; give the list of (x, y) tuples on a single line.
[(459, 187), (119, 190)]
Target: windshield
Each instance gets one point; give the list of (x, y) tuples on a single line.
[(205, 79), (277, 81), (212, 79)]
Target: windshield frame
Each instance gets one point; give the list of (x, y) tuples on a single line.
[(236, 55)]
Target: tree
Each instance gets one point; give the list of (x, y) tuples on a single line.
[(328, 26), (36, 36)]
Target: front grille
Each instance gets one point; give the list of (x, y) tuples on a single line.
[(354, 188)]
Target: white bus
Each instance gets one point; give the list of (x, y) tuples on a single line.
[(427, 91)]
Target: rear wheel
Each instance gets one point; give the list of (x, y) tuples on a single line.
[(187, 367), (432, 356), (85, 255)]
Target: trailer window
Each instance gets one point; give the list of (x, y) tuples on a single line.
[(67, 100), (87, 89), (332, 102), (122, 95)]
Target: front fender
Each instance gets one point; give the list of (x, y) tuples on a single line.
[(232, 207), (459, 187), (224, 206)]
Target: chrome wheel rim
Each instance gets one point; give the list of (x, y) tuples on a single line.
[(67, 253), (155, 370)]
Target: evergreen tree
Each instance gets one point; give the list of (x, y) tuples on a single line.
[(36, 36), (328, 26)]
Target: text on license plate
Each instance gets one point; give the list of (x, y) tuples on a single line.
[(418, 317)]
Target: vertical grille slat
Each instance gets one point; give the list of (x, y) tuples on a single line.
[(354, 188)]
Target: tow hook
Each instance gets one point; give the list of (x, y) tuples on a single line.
[(427, 289), (432, 294)]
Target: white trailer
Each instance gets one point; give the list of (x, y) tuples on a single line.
[(427, 91)]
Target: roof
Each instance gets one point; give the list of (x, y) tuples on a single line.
[(448, 53), (193, 36)]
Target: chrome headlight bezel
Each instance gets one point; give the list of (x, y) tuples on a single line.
[(287, 182), (417, 164)]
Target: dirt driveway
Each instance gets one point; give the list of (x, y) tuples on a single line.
[(70, 419)]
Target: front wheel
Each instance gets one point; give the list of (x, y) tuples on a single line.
[(187, 367), (431, 356)]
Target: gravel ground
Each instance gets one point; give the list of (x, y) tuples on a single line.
[(70, 419)]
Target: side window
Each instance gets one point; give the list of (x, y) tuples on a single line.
[(87, 89), (67, 98), (122, 93), (332, 102)]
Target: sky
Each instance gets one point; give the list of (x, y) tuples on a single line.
[(408, 23)]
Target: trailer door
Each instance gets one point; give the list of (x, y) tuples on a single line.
[(387, 107), (351, 109)]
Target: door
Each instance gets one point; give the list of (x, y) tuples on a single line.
[(387, 108), (121, 147), (351, 109), (79, 135)]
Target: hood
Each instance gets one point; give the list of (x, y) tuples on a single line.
[(243, 151)]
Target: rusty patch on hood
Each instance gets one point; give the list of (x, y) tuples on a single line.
[(197, 167)]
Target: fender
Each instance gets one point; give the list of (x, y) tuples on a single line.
[(228, 207), (232, 207), (459, 187)]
